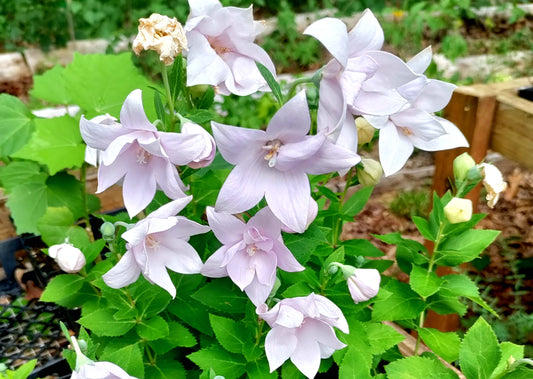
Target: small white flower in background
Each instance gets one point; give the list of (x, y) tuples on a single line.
[(458, 210), (371, 173), (162, 34), (69, 258), (493, 182), (88, 369)]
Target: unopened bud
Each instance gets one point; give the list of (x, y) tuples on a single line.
[(493, 182), (365, 131), (371, 173), (198, 90), (69, 258), (462, 165), (458, 210), (108, 231), (364, 284)]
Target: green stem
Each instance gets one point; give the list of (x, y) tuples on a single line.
[(170, 101), (438, 240), (421, 324), (83, 180), (338, 222), (149, 354), (295, 83)]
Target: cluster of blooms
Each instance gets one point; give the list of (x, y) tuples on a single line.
[(393, 96)]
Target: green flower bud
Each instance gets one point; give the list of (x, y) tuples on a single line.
[(458, 210), (365, 131), (198, 90), (108, 231), (371, 173), (462, 165)]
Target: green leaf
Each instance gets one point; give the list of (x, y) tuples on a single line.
[(100, 83), (16, 127), (65, 190), (192, 313), (329, 194), (260, 370), (444, 344), (178, 336), (16, 173), (423, 227), (480, 353), (222, 295), (200, 116), (354, 365), (361, 247), (62, 286), (152, 329), (228, 333), (25, 370), (423, 282), (418, 367), (336, 256), (126, 355), (509, 350), (150, 300), (382, 337), (27, 204), (396, 301), (357, 201), (50, 86), (102, 323), (461, 285), (56, 143), (224, 363), (54, 225), (159, 108), (302, 245), (446, 304), (271, 81), (465, 246), (170, 369)]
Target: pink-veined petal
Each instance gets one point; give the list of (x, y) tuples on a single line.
[(168, 180), (435, 96), (332, 157), (265, 264), (178, 257), (186, 228), (239, 269), (332, 33), (138, 190), (204, 66), (157, 225), (451, 139), (292, 155), (392, 72), (378, 103), (325, 335), (199, 8), (306, 356), (181, 148), (132, 114), (416, 122), (331, 107), (123, 273), (265, 221)]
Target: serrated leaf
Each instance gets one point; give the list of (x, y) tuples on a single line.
[(446, 304), (65, 190), (354, 365), (260, 370), (224, 363), (102, 323), (178, 336), (418, 367), (382, 337), (17, 172), (361, 247), (396, 301), (509, 350), (128, 356), (423, 282), (271, 81), (302, 245), (423, 227), (153, 328), (192, 313), (444, 344), (222, 295), (200, 116), (357, 201), (50, 86), (27, 204), (150, 300), (480, 353), (61, 286), (464, 247), (16, 127), (461, 285), (54, 225), (228, 333), (165, 370)]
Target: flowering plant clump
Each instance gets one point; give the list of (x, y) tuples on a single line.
[(252, 278)]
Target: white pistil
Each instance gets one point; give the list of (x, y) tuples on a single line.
[(251, 249), (273, 151), (151, 242), (143, 157)]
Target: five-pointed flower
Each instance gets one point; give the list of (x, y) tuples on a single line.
[(156, 243), (415, 125), (251, 252), (222, 51), (275, 163), (302, 330), (140, 156)]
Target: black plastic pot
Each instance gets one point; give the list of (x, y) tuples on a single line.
[(526, 93)]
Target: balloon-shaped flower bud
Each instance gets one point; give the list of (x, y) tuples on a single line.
[(69, 258), (371, 173), (461, 165), (365, 131), (108, 231), (162, 34), (458, 210), (363, 283), (493, 182)]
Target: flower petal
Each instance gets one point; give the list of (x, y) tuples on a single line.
[(240, 270), (279, 346), (331, 106), (238, 144), (332, 33), (265, 221), (204, 66), (452, 138), (214, 267), (292, 121), (132, 114), (99, 136), (366, 35), (285, 259), (421, 61), (138, 190), (306, 356), (394, 149), (124, 273), (171, 209), (227, 228), (258, 292), (178, 257)]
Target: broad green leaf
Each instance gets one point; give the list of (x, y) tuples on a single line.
[(222, 295), (354, 364), (56, 143), (329, 194), (445, 304), (464, 247), (480, 353), (510, 353), (129, 356), (297, 289), (62, 286), (102, 323), (357, 201), (408, 252), (361, 247), (99, 83), (192, 313), (336, 256), (418, 367), (25, 370), (260, 370), (382, 337), (521, 372), (50, 86), (16, 127), (54, 225), (178, 336), (396, 301), (423, 227), (171, 369), (65, 190), (153, 328), (423, 282), (228, 333), (444, 344), (271, 81), (149, 300), (229, 365), (461, 285), (302, 245), (16, 173), (27, 203), (92, 250), (290, 371)]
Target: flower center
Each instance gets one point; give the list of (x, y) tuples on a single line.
[(143, 157), (151, 242), (217, 46), (273, 151), (251, 249), (406, 131)]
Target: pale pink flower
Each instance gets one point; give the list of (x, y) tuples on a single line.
[(68, 257), (302, 331), (156, 243), (222, 51), (251, 252), (275, 163), (364, 284), (140, 157), (94, 156)]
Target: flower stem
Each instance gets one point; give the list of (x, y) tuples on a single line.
[(83, 180), (164, 74), (295, 83), (338, 222)]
